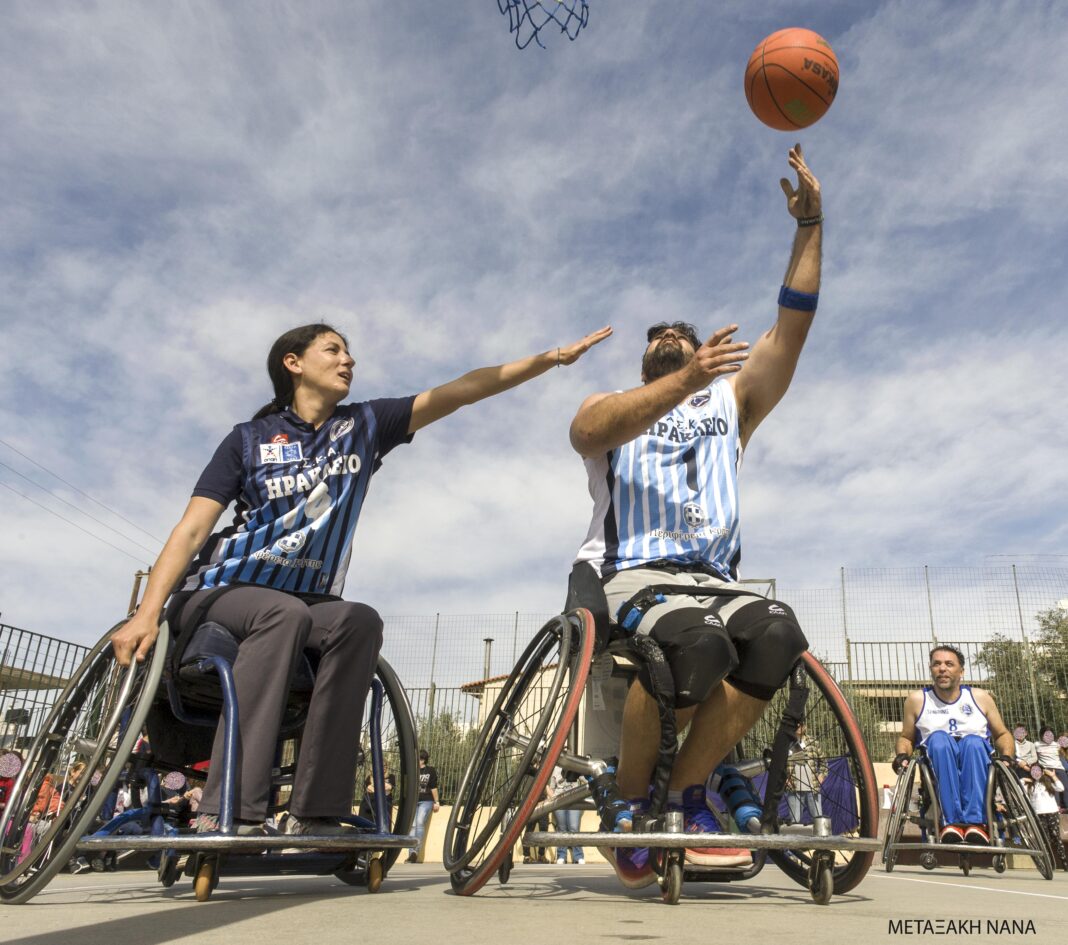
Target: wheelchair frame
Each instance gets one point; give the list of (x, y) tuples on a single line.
[(111, 705), (1014, 833), (808, 858)]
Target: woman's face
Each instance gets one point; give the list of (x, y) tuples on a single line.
[(325, 366)]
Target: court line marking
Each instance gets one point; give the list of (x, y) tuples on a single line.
[(935, 882)]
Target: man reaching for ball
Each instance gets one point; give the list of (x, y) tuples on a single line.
[(663, 461)]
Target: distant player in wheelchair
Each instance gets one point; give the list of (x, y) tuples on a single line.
[(957, 752), (261, 596), (957, 727)]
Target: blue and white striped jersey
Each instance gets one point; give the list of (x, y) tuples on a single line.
[(671, 493), (299, 492)]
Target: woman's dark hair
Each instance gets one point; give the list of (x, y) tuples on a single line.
[(294, 341)]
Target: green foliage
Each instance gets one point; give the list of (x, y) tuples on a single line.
[(1009, 674)]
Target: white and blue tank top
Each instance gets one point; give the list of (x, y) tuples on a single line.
[(958, 718), (672, 493)]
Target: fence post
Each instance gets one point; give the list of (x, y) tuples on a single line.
[(1027, 652), (431, 693), (845, 632), (515, 636), (930, 609), (434, 648)]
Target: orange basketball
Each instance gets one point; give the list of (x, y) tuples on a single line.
[(791, 79)]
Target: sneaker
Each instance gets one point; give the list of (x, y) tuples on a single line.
[(631, 864), (951, 833), (79, 866), (312, 826), (976, 833), (209, 823), (579, 861), (697, 818), (737, 793), (561, 861)]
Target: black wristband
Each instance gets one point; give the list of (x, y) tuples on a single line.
[(810, 221), (901, 762)]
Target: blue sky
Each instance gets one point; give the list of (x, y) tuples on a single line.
[(181, 184)]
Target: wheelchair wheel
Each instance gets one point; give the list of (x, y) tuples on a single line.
[(928, 861), (206, 879), (999, 864), (1020, 823), (400, 752), (94, 725), (168, 871), (895, 826), (965, 864), (847, 792), (822, 888), (518, 745)]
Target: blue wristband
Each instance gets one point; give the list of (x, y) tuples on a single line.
[(801, 301)]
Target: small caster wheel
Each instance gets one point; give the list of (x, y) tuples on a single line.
[(928, 861), (823, 886), (504, 872), (965, 864), (375, 874), (206, 879), (168, 869), (671, 883), (999, 864)]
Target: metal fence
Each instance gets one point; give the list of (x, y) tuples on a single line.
[(873, 631)]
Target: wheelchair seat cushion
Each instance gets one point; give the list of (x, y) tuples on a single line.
[(213, 639)]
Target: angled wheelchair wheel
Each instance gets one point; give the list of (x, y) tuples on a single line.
[(1020, 823), (73, 765), (899, 808), (400, 752), (521, 738), (847, 793)]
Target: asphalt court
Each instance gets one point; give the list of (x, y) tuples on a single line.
[(541, 903)]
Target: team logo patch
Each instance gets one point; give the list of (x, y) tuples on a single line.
[(694, 514), (712, 620), (699, 400), (966, 709), (280, 438), (292, 543), (341, 427), (776, 609), (280, 453)]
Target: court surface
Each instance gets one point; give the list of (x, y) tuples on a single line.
[(540, 904)]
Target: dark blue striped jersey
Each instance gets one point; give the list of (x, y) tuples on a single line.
[(299, 492), (672, 492)]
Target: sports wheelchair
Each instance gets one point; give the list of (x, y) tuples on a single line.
[(1011, 823), (534, 725), (53, 814)]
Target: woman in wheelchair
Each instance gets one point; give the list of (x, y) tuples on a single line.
[(298, 472), (955, 725)]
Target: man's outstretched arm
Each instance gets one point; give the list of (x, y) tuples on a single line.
[(767, 375), (605, 421)]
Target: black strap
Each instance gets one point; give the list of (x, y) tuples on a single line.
[(662, 683), (184, 626), (793, 715), (584, 589)]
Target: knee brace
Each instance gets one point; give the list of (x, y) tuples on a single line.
[(770, 642), (699, 655)]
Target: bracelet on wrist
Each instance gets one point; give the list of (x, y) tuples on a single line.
[(558, 357), (801, 301), (810, 221)]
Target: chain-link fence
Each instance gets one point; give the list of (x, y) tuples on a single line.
[(873, 630)]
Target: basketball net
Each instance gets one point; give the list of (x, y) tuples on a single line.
[(527, 18)]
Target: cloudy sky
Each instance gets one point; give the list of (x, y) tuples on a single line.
[(180, 183)]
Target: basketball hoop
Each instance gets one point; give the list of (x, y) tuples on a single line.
[(527, 18)]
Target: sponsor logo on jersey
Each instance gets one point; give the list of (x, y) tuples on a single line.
[(273, 453), (680, 430), (713, 621), (699, 400), (290, 544), (341, 427), (776, 609), (280, 438), (694, 515)]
